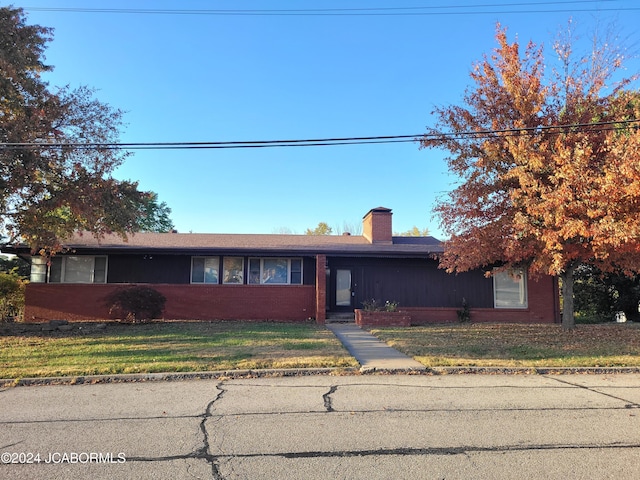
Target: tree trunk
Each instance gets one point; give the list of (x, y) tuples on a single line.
[(567, 277)]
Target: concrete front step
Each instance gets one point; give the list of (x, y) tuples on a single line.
[(341, 317)]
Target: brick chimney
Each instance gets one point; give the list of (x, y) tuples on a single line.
[(376, 225)]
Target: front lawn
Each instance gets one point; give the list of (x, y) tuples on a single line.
[(514, 345), (26, 351), (167, 347)]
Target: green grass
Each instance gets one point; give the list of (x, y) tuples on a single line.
[(513, 345), (168, 347), (207, 346)]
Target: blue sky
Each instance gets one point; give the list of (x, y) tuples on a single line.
[(204, 77)]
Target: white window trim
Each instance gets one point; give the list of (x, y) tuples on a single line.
[(523, 289), (63, 269), (288, 259), (203, 278)]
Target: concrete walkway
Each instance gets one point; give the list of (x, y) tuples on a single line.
[(372, 353)]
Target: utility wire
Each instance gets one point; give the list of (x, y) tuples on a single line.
[(372, 11), (549, 129), (213, 145), (595, 127)]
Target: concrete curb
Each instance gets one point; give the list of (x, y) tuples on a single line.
[(301, 372), (172, 376)]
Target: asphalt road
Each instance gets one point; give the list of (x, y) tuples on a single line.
[(326, 427)]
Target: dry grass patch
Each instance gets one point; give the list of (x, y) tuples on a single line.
[(168, 347), (514, 345)]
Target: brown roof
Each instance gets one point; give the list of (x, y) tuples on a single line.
[(211, 240), (215, 243), (300, 244)]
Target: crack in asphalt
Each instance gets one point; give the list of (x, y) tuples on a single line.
[(407, 452), (462, 450), (93, 420), (329, 408), (327, 398), (201, 453), (628, 403)]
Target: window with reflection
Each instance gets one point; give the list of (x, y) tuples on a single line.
[(510, 288), (275, 271), (78, 269), (205, 269), (233, 270)]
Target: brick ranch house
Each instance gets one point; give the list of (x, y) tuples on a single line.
[(278, 277)]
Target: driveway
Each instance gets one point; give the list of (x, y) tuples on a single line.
[(320, 427)]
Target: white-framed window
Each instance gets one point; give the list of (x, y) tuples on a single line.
[(78, 269), (510, 288), (277, 271), (233, 270), (205, 269)]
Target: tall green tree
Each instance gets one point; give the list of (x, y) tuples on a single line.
[(547, 161), (156, 215), (55, 170), (414, 232), (323, 228)]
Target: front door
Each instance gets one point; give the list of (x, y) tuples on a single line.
[(344, 290)]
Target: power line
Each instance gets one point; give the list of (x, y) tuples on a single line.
[(215, 145), (372, 11), (549, 129), (595, 127)]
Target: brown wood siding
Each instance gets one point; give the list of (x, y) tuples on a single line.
[(173, 269), (415, 283), (308, 270)]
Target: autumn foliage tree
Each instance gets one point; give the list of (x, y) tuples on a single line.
[(548, 161), (55, 167)]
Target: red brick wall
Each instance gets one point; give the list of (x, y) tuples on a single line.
[(377, 226), (424, 315), (184, 302), (321, 289), (382, 319)]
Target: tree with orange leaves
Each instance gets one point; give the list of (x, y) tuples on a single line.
[(549, 165)]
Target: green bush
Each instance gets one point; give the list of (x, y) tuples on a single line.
[(136, 304), (12, 288)]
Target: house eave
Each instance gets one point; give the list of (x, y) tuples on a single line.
[(246, 245), (373, 252)]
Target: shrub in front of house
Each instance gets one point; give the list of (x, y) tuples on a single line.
[(373, 305), (136, 304), (11, 296)]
